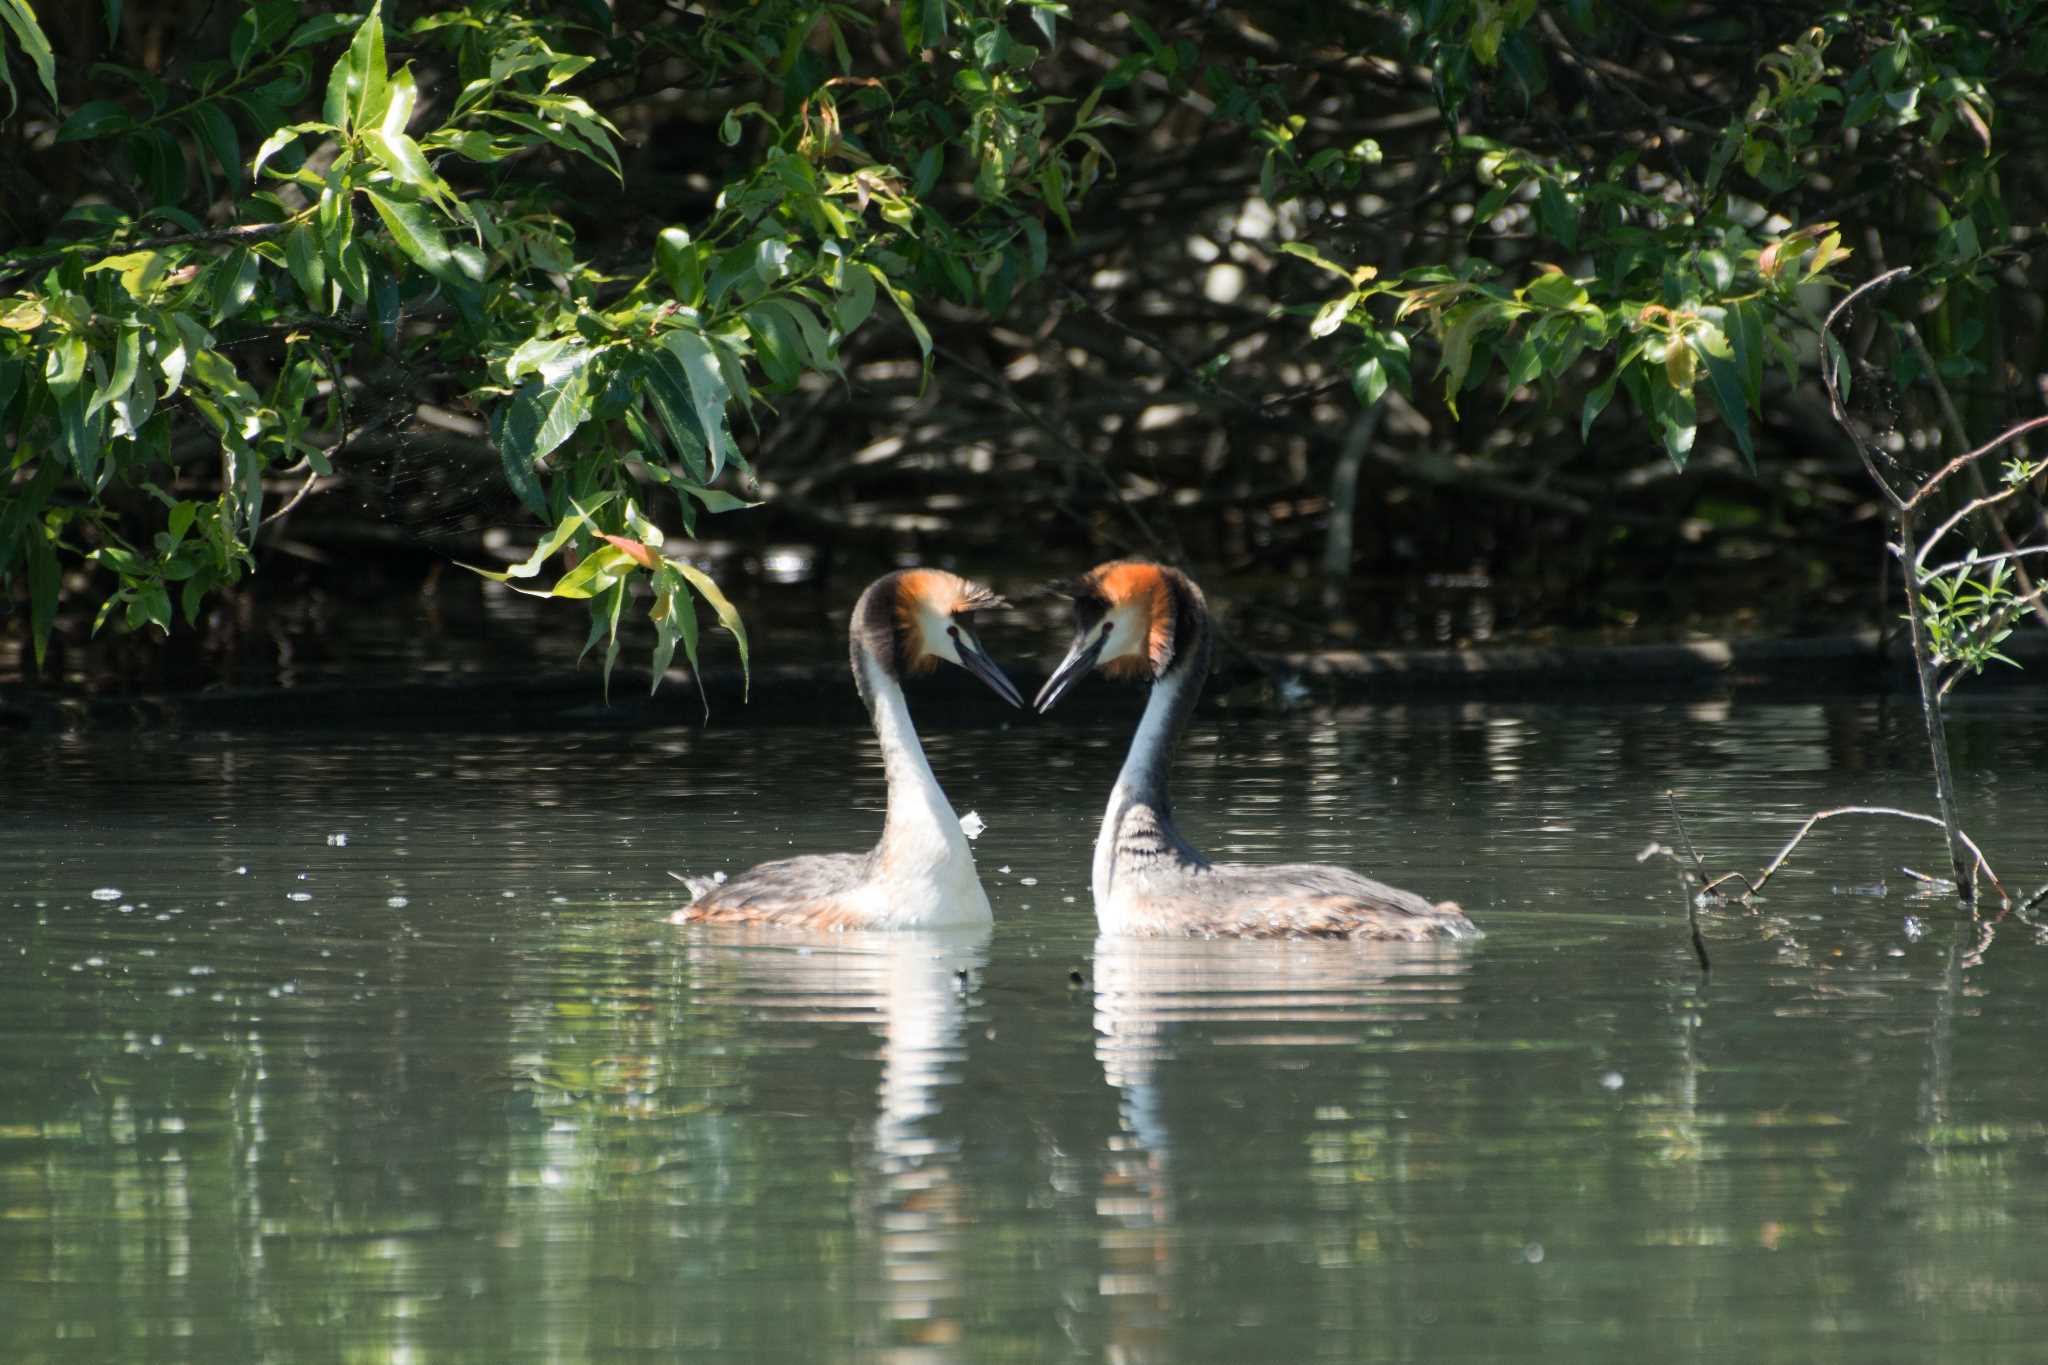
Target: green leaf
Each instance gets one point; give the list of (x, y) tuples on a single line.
[(1526, 364), (1491, 204), (217, 131), (1331, 316), (1838, 360), (401, 156), (668, 392), (908, 309), (555, 539), (596, 131), (282, 138), (153, 605), (681, 264), (715, 499), (1745, 336), (1560, 222), (675, 616), (542, 414), (302, 257), (1462, 327), (45, 579), (399, 103), (1724, 378), (771, 260), (413, 229), (924, 24), (96, 118), (1556, 290), (160, 164), (1597, 399), (856, 299), (709, 393), (21, 20), (1369, 379), (776, 345), (370, 86), (599, 571), (320, 28), (818, 351), (1676, 415), (233, 279), (127, 357), (727, 615), (604, 621), (139, 271), (1316, 258)]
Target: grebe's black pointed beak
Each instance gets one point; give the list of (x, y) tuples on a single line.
[(1076, 666), (976, 661)]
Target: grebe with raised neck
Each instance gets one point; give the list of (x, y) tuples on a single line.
[(1143, 621), (921, 875)]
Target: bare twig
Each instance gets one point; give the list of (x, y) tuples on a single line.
[(1692, 899), (1060, 438), (1974, 505), (2012, 433), (1816, 818), (1960, 436), (312, 477), (1827, 375), (1924, 666), (1671, 799)]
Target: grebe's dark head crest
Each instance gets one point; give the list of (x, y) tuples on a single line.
[(928, 612), (1127, 616)]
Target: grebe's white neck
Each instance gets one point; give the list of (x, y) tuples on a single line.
[(923, 851)]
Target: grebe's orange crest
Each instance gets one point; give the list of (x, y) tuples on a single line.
[(927, 600), (1139, 589)]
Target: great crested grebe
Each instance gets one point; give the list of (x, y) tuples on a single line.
[(921, 875), (1134, 619)]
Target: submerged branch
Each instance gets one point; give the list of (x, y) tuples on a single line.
[(1692, 902), (1764, 876)]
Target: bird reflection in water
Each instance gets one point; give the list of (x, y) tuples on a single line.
[(1157, 1000), (914, 988)]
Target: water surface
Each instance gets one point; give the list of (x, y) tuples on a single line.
[(337, 1046)]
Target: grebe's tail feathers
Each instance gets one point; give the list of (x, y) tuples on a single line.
[(700, 887)]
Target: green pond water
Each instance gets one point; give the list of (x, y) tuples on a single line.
[(339, 1046)]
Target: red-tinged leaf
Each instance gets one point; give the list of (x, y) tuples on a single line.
[(641, 553)]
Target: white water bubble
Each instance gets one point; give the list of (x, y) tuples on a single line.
[(242, 871), (339, 839), (107, 893), (298, 895), (1027, 881), (397, 902)]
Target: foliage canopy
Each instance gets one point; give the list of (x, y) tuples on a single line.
[(626, 244)]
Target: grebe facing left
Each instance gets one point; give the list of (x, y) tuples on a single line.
[(1140, 620), (921, 875)]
